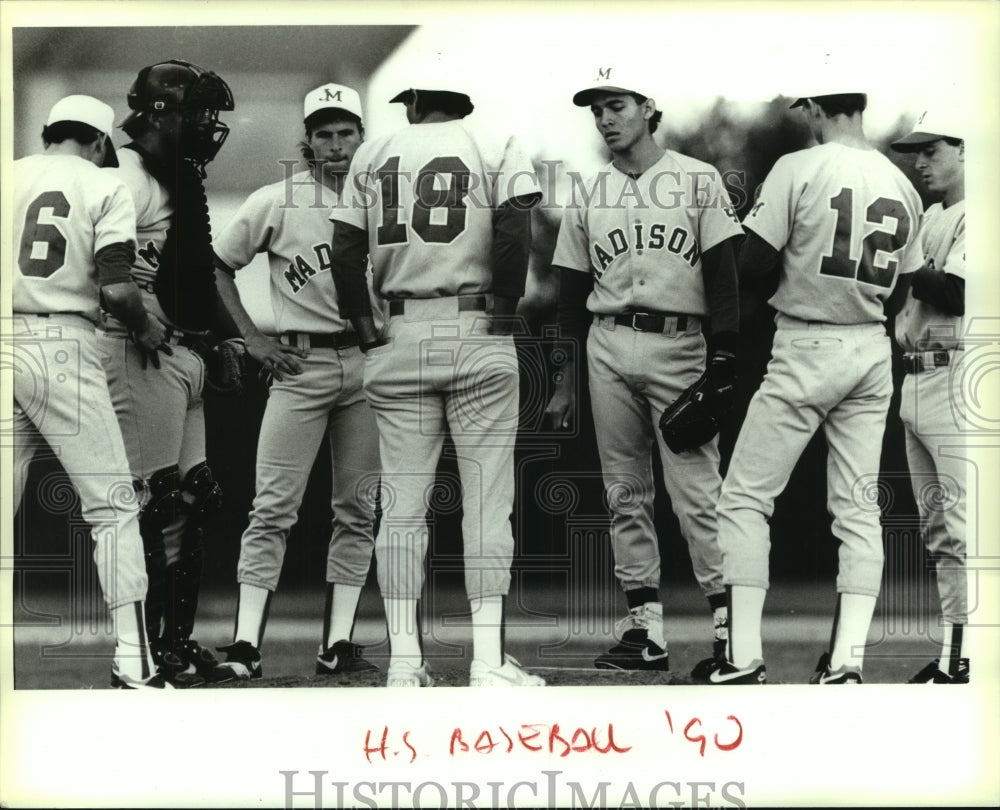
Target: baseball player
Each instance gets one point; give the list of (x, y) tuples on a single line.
[(74, 231), (645, 268), (929, 329), (444, 213), (837, 222), (175, 131), (317, 369)]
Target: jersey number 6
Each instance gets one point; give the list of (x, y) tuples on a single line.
[(870, 268), (425, 199), (36, 232)]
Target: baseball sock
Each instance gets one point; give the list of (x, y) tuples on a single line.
[(341, 607), (251, 613), (851, 633), (132, 653), (487, 618), (744, 624), (951, 649), (404, 631), (720, 615)]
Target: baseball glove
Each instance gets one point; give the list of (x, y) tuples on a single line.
[(225, 366), (692, 419)]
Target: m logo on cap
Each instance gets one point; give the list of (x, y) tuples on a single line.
[(331, 96), (604, 74)]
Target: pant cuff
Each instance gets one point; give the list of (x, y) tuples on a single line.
[(271, 585)]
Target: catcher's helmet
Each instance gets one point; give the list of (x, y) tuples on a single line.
[(198, 94)]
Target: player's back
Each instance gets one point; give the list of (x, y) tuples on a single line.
[(65, 210), (432, 189), (846, 220)]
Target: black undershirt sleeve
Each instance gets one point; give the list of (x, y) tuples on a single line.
[(114, 263), (350, 265), (511, 247), (944, 291)]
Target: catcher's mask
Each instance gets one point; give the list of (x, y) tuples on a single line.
[(198, 94)]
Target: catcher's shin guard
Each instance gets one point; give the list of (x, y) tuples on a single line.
[(163, 506), (183, 578)]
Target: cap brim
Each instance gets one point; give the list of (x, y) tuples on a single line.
[(132, 116), (585, 97), (400, 97), (403, 96), (798, 102), (915, 140)]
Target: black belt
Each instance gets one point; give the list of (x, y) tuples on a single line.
[(330, 340), (651, 322), (925, 361), (466, 303)]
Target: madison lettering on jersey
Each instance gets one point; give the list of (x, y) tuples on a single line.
[(644, 237), (300, 271)]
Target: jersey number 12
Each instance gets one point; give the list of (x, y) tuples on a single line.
[(870, 268)]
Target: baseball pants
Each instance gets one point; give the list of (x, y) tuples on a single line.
[(633, 377), (934, 419), (326, 398), (60, 395), (440, 373), (160, 412), (819, 374)]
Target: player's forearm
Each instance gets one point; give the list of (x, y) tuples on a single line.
[(350, 254), (123, 300), (942, 290), (894, 303), (718, 268), (229, 296), (511, 250)]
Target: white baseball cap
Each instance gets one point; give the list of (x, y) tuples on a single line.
[(833, 75), (932, 125), (332, 97), (609, 80), (87, 110), (440, 73)]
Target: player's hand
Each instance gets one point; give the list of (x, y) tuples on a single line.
[(150, 340), (722, 375), (561, 409), (275, 358)]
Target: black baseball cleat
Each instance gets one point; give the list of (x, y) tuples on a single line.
[(707, 666), (755, 674), (125, 682), (242, 663), (841, 676), (204, 663), (175, 670), (932, 673), (642, 645), (343, 658)]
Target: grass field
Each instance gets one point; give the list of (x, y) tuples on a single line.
[(56, 648)]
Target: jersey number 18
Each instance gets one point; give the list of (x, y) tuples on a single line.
[(426, 198)]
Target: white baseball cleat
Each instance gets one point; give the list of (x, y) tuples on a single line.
[(404, 674), (510, 674), (123, 681)]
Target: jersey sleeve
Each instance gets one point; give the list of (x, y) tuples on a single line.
[(136, 181), (516, 177), (114, 222), (248, 233), (359, 191), (572, 247), (773, 211), (954, 263), (717, 220)]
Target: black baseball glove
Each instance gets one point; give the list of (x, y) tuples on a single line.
[(225, 365), (695, 417)]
